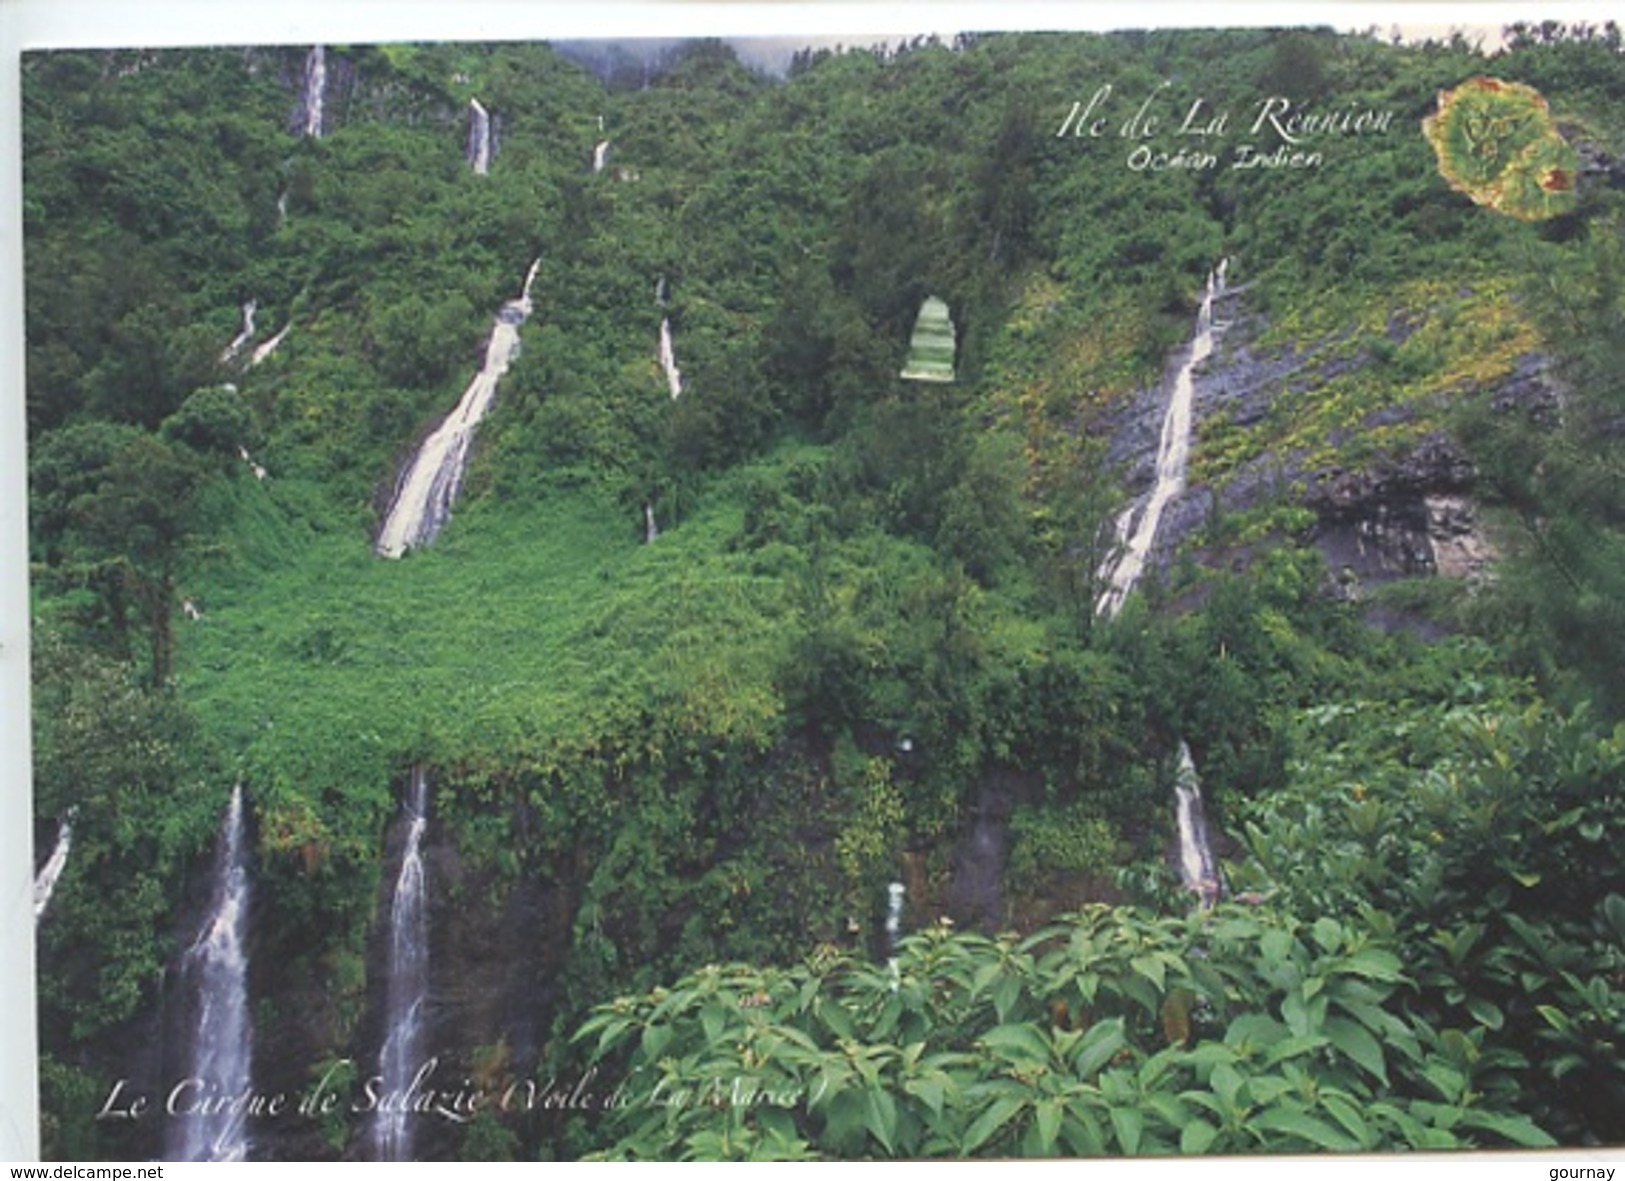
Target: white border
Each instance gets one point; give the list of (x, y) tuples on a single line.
[(39, 24)]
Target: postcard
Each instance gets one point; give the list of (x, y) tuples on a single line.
[(700, 584)]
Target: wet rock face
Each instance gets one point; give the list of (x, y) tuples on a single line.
[(1401, 516), (1376, 524)]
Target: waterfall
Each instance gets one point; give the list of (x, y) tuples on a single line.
[(479, 138), (1173, 451), (51, 871), (668, 359), (216, 966), (282, 208), (650, 529), (894, 916), (660, 291), (600, 155), (1197, 867), (259, 472), (315, 92), (243, 337), (424, 495), (406, 989), (265, 349)]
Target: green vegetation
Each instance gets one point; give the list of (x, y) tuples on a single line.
[(682, 772)]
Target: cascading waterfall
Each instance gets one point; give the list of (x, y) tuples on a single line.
[(243, 337), (895, 893), (424, 496), (600, 156), (259, 471), (51, 871), (894, 931), (1137, 532), (479, 138), (315, 92), (650, 529), (406, 990), (1197, 867), (668, 359), (216, 968), (266, 348)]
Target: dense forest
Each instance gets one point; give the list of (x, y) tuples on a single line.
[(750, 752)]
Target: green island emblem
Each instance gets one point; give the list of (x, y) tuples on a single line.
[(1497, 143)]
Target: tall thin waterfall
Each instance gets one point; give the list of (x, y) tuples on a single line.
[(1137, 525), (216, 968), (668, 359), (650, 529), (424, 495), (479, 138), (51, 871), (244, 336), (265, 349), (1197, 867), (406, 990), (894, 915), (600, 155), (315, 92)]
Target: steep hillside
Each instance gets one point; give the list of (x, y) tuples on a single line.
[(1172, 708)]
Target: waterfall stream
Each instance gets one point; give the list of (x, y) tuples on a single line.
[(479, 138), (266, 348), (406, 989), (1197, 869), (215, 967), (600, 156), (51, 871), (243, 337), (1137, 525), (650, 529), (425, 493), (1136, 532), (668, 359), (315, 92), (894, 915)]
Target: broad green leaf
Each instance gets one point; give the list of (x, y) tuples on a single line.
[(1006, 993), (1128, 1123), (989, 1122), (1293, 1047), (1226, 1082), (1516, 1128), (929, 1090), (1347, 1113), (1304, 1127), (655, 1039), (1276, 945), (1102, 1041), (1151, 968), (881, 1116), (1047, 1116), (1017, 1043), (1486, 1012), (1374, 964), (1328, 933), (1354, 1040), (1196, 1137)]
